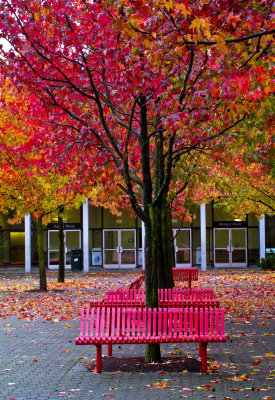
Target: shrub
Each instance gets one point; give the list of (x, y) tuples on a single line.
[(268, 262)]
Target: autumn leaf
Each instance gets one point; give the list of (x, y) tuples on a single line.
[(186, 390), (269, 355), (161, 385), (206, 387), (243, 377)]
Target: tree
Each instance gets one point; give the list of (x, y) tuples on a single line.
[(246, 186), (143, 83), (24, 189)]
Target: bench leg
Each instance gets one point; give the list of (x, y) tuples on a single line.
[(99, 358), (203, 354), (200, 352), (110, 350)]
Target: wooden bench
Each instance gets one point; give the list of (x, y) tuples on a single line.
[(176, 297), (186, 274), (134, 325)]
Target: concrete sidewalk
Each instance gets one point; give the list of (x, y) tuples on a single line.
[(39, 360)]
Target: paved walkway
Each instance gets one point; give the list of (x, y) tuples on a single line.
[(39, 360)]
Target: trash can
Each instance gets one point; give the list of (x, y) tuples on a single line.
[(198, 255), (76, 259), (96, 257)]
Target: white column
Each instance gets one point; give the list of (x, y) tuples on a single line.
[(86, 236), (203, 236), (262, 237), (143, 244), (28, 243)]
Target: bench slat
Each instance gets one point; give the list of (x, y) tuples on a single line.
[(196, 323), (92, 321), (155, 319), (108, 325), (102, 325), (144, 322), (175, 316), (191, 323), (149, 324), (212, 323), (165, 320)]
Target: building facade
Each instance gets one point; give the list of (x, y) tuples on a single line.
[(213, 239)]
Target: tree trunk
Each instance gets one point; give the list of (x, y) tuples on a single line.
[(152, 351), (41, 258), (157, 247), (158, 262), (165, 273), (61, 268), (165, 247)]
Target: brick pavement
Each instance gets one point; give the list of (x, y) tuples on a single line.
[(39, 360)]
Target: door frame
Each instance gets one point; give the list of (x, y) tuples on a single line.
[(183, 265), (119, 248), (67, 266), (230, 249)]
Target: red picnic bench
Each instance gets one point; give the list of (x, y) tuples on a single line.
[(134, 325), (186, 274), (176, 297), (136, 284), (179, 274)]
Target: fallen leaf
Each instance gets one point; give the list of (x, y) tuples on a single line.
[(206, 387), (186, 390), (161, 385)]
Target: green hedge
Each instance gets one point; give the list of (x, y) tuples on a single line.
[(268, 262)]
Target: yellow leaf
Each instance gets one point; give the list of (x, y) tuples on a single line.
[(182, 8)]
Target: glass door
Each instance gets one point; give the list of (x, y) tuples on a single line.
[(110, 249), (119, 249), (72, 240), (17, 248), (238, 247), (128, 248), (53, 249), (182, 243), (230, 247)]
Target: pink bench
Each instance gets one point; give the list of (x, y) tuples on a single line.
[(186, 274), (179, 274), (137, 283), (134, 325), (176, 297)]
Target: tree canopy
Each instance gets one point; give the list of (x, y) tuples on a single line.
[(141, 85)]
